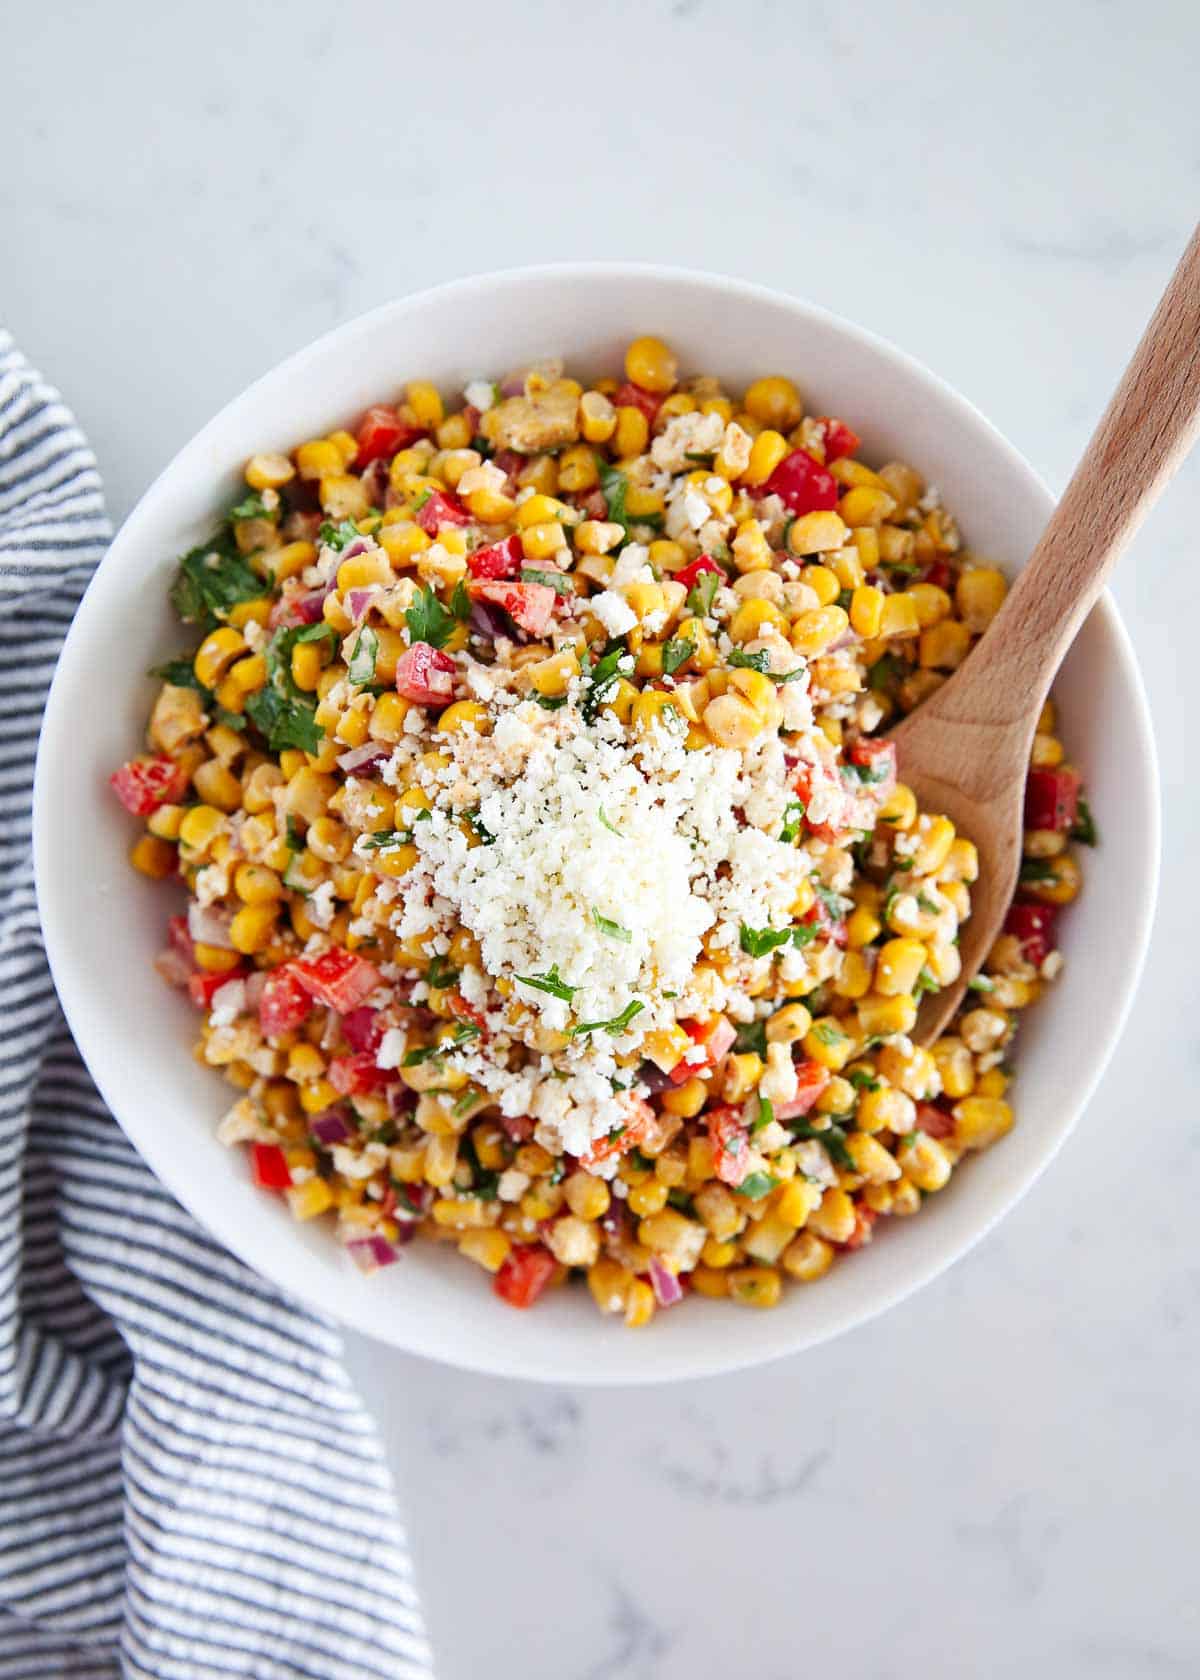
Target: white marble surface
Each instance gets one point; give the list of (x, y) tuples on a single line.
[(1001, 1478)]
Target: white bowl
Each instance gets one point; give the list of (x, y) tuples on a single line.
[(103, 924)]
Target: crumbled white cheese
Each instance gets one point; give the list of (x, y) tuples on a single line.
[(615, 613), (391, 1048), (319, 904), (481, 394)]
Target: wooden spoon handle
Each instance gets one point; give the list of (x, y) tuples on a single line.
[(1146, 430)]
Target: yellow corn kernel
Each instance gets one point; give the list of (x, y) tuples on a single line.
[(268, 472), (597, 417), (425, 400), (346, 445), (1061, 883), (818, 629), (862, 928), (766, 452), (648, 1198), (588, 1197), (944, 646), (343, 496), (653, 708), (754, 1286), (962, 861), (931, 603), (165, 822), (866, 609), (846, 566), (743, 1070), (731, 722), (685, 1100), (816, 533), (865, 504), (255, 884), (835, 1218), (328, 839), (880, 1017), (1047, 752), (898, 965), (749, 618), (898, 618), (828, 1042), (650, 364), (490, 507), (489, 1248), (463, 1213), (216, 653), (306, 665), (252, 927), (290, 560), (217, 786), (871, 1160), (866, 544), (956, 1067), (774, 401), (885, 1110), (807, 1258), (924, 1162), (403, 541), (577, 469), (639, 1303), (823, 583), (200, 826), (900, 807), (789, 1024), (462, 717), (854, 981), (979, 595), (795, 1201), (318, 458), (309, 1199), (632, 433), (153, 857), (644, 598), (935, 837)]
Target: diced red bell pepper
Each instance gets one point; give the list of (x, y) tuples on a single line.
[(358, 1076), (730, 1139), (269, 1165), (811, 1080), (626, 1135), (839, 440), (864, 1223), (1034, 926), (935, 1122), (878, 759), (202, 987), (441, 509), (823, 918), (510, 462), (458, 1006), (425, 675), (939, 573), (689, 576), (531, 605), (524, 1275), (497, 560), (1052, 798), (340, 979), (802, 483), (362, 1031), (716, 1038), (144, 784), (284, 1005), (520, 1127), (382, 433), (630, 395)]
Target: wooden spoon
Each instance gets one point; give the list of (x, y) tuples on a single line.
[(965, 751)]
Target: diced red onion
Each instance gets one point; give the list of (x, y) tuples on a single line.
[(208, 926), (173, 967), (513, 385), (309, 608), (353, 549), (358, 602), (333, 1126), (364, 757), (667, 1287), (255, 986), (488, 621), (370, 1253), (518, 1126), (654, 1079)]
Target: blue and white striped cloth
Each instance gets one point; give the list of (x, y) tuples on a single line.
[(189, 1487)]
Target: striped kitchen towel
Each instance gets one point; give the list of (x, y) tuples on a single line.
[(189, 1487)]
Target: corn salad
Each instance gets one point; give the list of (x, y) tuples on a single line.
[(551, 891)]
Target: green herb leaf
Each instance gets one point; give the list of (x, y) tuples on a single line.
[(751, 1037), (385, 838), (614, 487), (465, 1104), (862, 1080), (741, 660), (212, 579), (836, 905), (551, 702), (832, 1139), (606, 822), (614, 930), (180, 673), (462, 1034), (551, 983), (338, 536), (866, 775), (314, 633), (675, 653), (363, 656), (1083, 828), (1038, 869), (766, 1113), (480, 827), (284, 722), (251, 507), (756, 1184), (885, 673), (231, 720), (441, 973), (293, 835), (602, 678), (616, 1025), (428, 620), (980, 983), (793, 816), (827, 1032), (924, 983), (759, 942), (558, 581), (702, 593)]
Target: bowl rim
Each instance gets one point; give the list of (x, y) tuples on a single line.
[(269, 1258)]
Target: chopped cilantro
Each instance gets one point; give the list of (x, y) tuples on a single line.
[(1038, 869), (885, 671), (793, 816), (752, 1036), (558, 581), (867, 775), (282, 713), (440, 974), (363, 656), (616, 1025), (462, 1034), (925, 983), (862, 1080), (480, 827), (680, 1198), (702, 593), (338, 536), (741, 660), (252, 507), (469, 1100), (828, 1032), (1083, 828), (460, 602), (614, 930), (551, 702), (385, 838), (927, 904), (614, 486), (180, 673), (428, 620), (759, 942), (211, 579), (831, 1138), (231, 720), (756, 1184), (609, 826), (602, 678), (980, 983), (836, 905), (549, 982), (766, 1114), (295, 839), (675, 653)]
